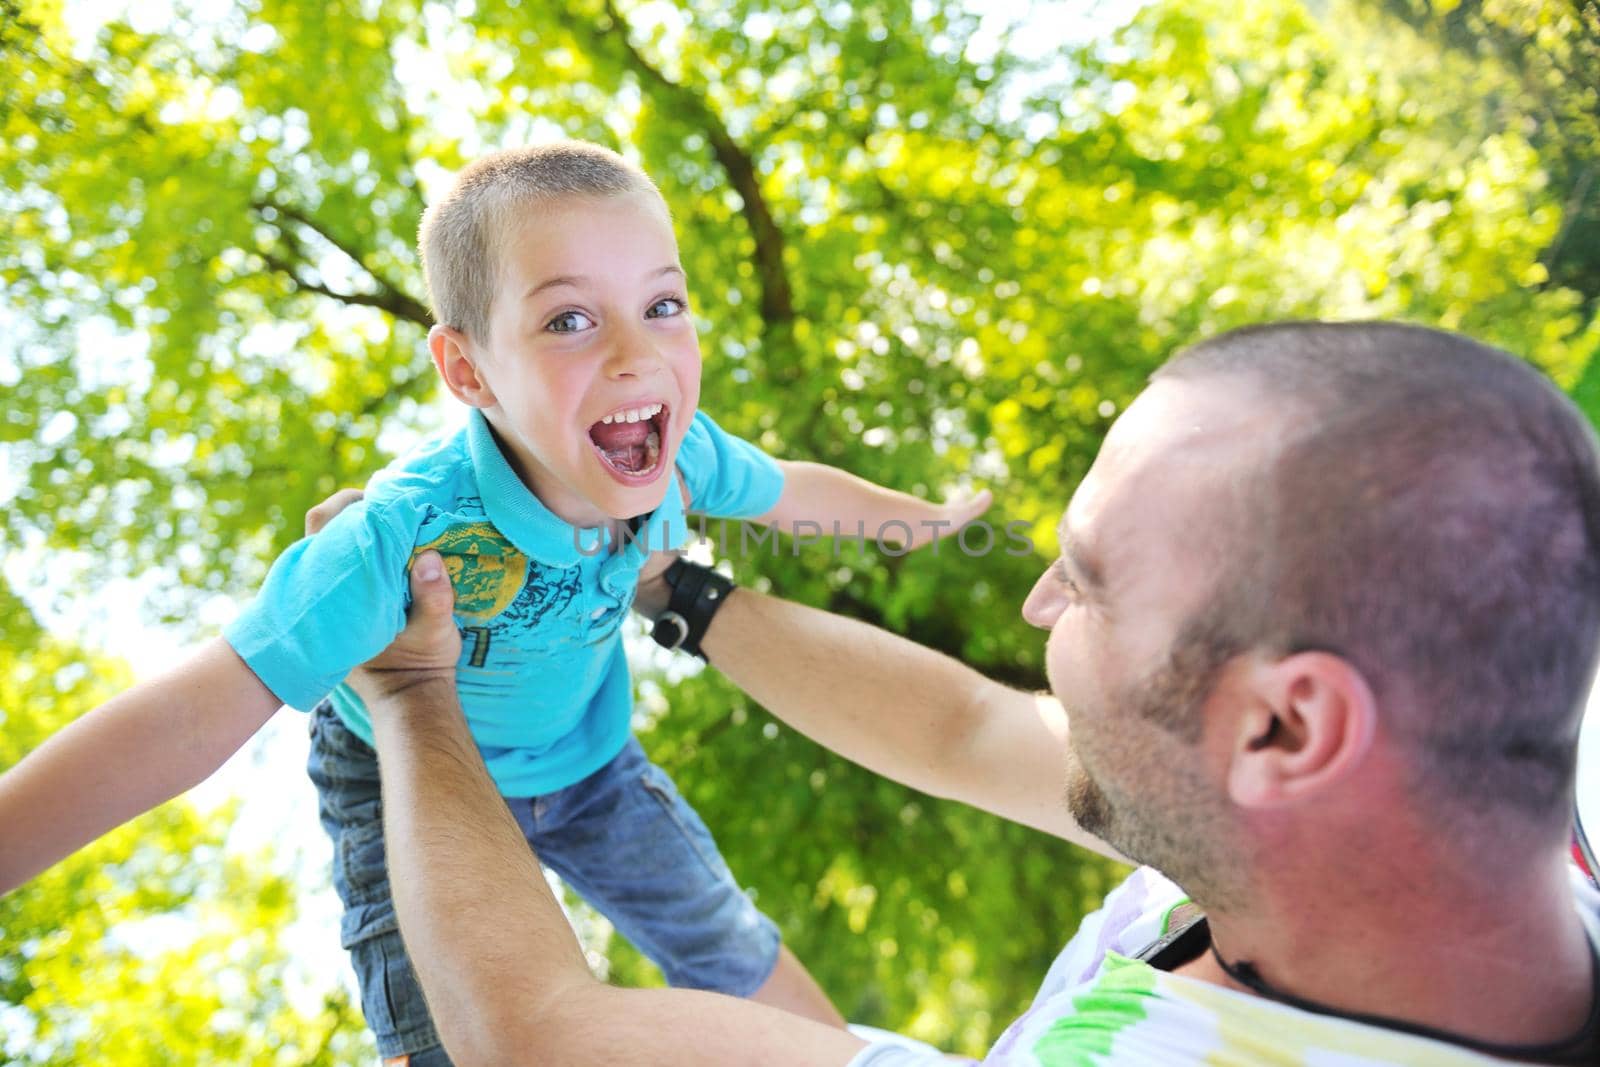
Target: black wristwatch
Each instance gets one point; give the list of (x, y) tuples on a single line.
[(697, 593)]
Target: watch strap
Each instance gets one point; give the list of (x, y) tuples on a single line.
[(697, 593)]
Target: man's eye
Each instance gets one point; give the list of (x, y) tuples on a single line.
[(666, 308), (569, 322), (1065, 579)]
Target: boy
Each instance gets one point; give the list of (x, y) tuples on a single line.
[(564, 327)]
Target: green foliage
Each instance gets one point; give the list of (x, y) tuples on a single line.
[(1536, 61), (1543, 55), (151, 946), (917, 249)]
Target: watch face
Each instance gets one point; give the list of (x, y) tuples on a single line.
[(1588, 820)]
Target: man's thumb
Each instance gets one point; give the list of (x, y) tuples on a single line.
[(431, 593)]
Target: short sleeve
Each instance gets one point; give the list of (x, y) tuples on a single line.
[(330, 603), (727, 476)]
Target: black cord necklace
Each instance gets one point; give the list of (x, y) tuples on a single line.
[(1560, 1052)]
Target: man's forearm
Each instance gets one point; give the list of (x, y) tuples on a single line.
[(483, 930), (504, 976), (889, 704), (137, 750), (905, 711)]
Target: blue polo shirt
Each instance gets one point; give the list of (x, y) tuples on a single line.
[(543, 678)]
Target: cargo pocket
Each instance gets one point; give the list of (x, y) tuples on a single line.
[(391, 999), (368, 909)]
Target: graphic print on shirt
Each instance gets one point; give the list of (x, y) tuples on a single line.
[(547, 592), (485, 569), (499, 591)]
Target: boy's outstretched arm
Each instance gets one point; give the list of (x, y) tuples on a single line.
[(125, 757), (817, 493), (505, 977)]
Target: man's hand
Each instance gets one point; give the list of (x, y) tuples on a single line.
[(426, 651), (323, 513), (651, 599)]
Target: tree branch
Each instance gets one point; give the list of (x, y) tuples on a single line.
[(397, 304), (390, 297), (1569, 214), (777, 295)]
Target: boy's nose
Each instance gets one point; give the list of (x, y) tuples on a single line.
[(633, 355)]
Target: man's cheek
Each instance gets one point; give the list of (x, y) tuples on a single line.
[(1062, 671)]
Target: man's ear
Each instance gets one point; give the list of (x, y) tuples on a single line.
[(1311, 721), (457, 364)]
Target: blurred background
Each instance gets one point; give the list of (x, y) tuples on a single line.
[(940, 244)]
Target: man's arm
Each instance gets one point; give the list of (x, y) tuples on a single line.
[(899, 709), (817, 493), (504, 976), (123, 758)]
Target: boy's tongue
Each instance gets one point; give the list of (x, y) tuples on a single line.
[(624, 443)]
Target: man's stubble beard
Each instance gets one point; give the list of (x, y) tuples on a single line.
[(1156, 808)]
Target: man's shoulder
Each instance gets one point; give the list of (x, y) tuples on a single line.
[(1100, 998)]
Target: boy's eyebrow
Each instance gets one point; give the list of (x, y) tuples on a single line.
[(573, 280), (577, 281)]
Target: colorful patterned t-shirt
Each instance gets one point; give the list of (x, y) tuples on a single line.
[(1099, 1006)]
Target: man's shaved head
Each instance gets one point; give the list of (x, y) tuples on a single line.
[(1432, 514)]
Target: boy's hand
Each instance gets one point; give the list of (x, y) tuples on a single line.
[(426, 651), (961, 512), (955, 513)]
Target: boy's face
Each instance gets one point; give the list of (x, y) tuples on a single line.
[(592, 363)]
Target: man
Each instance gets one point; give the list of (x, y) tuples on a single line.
[(1322, 628)]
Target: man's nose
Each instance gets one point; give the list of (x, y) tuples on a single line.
[(1045, 603)]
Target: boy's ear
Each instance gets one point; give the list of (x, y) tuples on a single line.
[(1310, 722), (457, 365)]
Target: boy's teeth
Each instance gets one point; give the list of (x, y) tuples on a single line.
[(634, 414)]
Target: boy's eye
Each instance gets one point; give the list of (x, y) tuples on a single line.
[(665, 308), (569, 322)]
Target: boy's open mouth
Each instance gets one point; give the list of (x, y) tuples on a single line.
[(628, 442)]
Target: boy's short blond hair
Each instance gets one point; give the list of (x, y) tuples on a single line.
[(462, 235)]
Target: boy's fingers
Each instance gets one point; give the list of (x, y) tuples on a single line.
[(971, 509), (431, 593), (323, 513)]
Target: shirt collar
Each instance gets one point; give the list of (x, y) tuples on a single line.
[(537, 531)]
